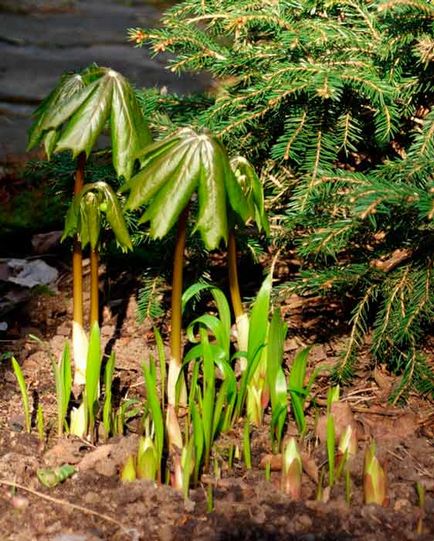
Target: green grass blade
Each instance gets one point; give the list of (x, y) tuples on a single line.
[(162, 364), (275, 376), (208, 394), (198, 438), (24, 394), (155, 409), (259, 318), (108, 380), (297, 389), (63, 381), (331, 443), (93, 372), (246, 445)]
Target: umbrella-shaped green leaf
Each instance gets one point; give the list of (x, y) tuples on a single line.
[(176, 167), (69, 85), (73, 116), (85, 214)]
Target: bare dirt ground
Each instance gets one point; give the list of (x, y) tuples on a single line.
[(95, 505)]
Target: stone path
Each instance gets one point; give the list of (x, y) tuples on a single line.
[(41, 39)]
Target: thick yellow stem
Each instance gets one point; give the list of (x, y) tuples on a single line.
[(77, 271), (79, 340), (94, 291), (241, 318), (176, 312)]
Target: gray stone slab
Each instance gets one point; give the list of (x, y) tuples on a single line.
[(44, 39)]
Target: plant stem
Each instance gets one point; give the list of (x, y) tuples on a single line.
[(176, 313), (77, 287), (94, 290), (77, 253)]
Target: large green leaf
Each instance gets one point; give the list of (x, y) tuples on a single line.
[(157, 173), (88, 121), (173, 197), (212, 218), (69, 85), (176, 167), (128, 127), (73, 116)]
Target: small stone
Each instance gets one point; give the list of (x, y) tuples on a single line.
[(16, 423), (19, 502), (401, 504)]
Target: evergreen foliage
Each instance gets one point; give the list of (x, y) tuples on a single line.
[(333, 100)]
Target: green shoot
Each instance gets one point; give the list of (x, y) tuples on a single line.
[(107, 415), (374, 478), (147, 461), (268, 471), (128, 471), (24, 393), (187, 465), (331, 442), (93, 371), (297, 389), (198, 440), (162, 364), (63, 381), (209, 498), (246, 445), (347, 448), (333, 395), (155, 409), (255, 380), (291, 470), (275, 376)]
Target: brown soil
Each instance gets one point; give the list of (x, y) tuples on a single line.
[(245, 505)]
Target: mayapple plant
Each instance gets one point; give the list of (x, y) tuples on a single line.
[(71, 118), (84, 220), (252, 188), (172, 171)]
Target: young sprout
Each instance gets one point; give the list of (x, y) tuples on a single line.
[(291, 470), (374, 478), (246, 446), (347, 448), (128, 472), (147, 459), (63, 379), (24, 393)]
